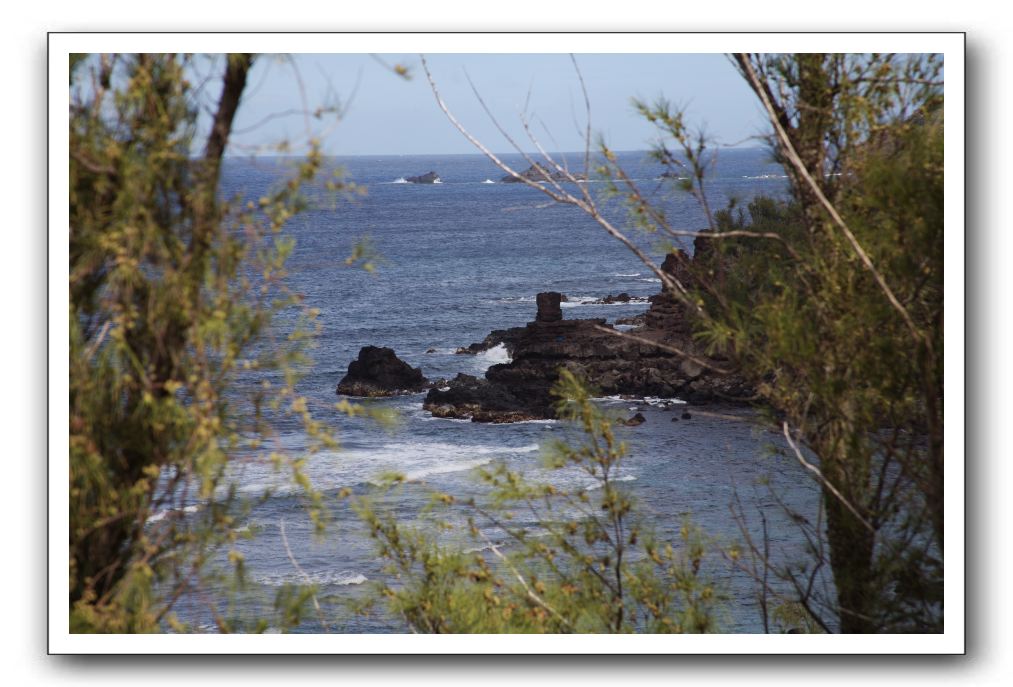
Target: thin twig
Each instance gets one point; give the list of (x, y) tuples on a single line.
[(665, 347), (306, 578), (566, 198), (796, 162), (823, 480), (520, 578)]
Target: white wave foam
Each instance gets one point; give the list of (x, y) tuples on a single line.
[(488, 181), (599, 485), (656, 401), (515, 299), (620, 274), (322, 578), (163, 514), (400, 180), (653, 280), (437, 181), (444, 469), (580, 301), (577, 301), (335, 469), (496, 355)]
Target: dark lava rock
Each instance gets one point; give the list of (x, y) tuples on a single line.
[(548, 307), (427, 178), (686, 415), (637, 419), (430, 350), (468, 397), (636, 320), (507, 337), (378, 372), (620, 298), (595, 352)]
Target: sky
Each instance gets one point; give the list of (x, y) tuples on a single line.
[(384, 114)]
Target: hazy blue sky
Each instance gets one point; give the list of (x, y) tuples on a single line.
[(388, 115)]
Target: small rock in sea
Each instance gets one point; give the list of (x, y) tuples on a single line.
[(379, 372), (427, 178), (637, 419), (686, 415), (430, 350), (675, 419)]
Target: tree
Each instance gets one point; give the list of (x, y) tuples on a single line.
[(172, 293), (831, 303), (851, 327)]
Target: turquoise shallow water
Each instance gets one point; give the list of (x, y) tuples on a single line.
[(460, 259)]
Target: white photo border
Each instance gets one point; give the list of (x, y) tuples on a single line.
[(950, 45)]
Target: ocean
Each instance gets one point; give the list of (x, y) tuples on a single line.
[(455, 261)]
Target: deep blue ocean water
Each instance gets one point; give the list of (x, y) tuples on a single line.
[(457, 260)]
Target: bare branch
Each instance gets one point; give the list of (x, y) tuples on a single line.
[(797, 163), (306, 578), (824, 481), (664, 347), (520, 578), (565, 198)]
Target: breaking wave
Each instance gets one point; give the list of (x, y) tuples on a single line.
[(322, 578)]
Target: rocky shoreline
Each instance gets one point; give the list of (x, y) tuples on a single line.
[(640, 365)]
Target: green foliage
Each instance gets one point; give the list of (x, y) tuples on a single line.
[(176, 368), (587, 565), (781, 288)]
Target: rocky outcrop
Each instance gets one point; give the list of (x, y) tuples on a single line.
[(637, 419), (619, 298), (635, 321), (549, 309), (593, 350), (427, 178), (537, 172), (378, 372), (468, 397)]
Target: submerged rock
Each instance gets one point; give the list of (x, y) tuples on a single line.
[(637, 419), (379, 372)]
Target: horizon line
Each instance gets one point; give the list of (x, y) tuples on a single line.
[(536, 156)]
